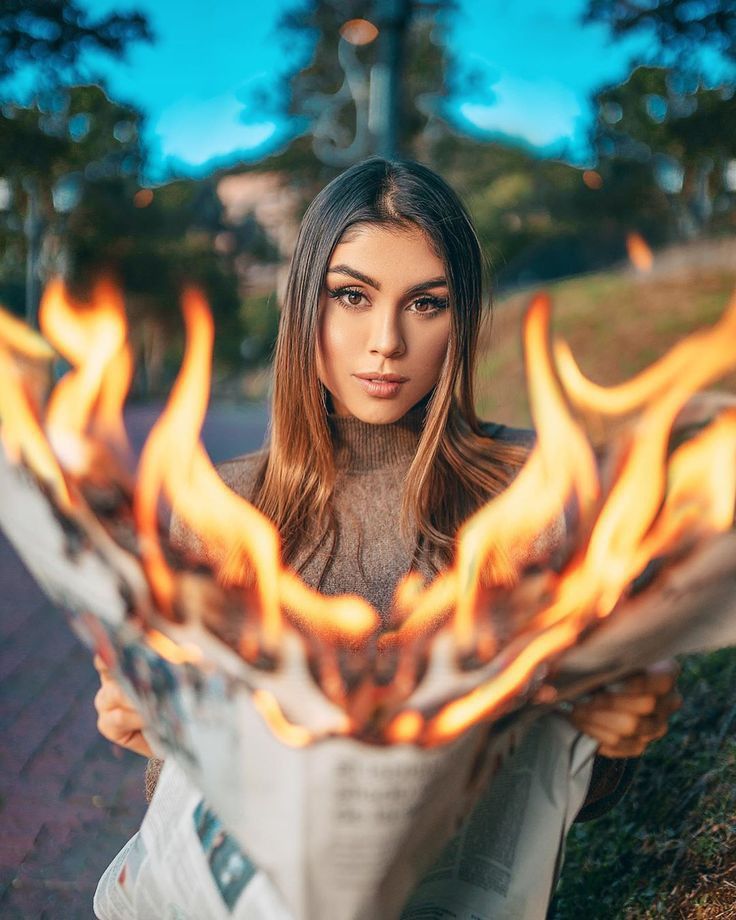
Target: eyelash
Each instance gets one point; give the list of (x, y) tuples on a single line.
[(440, 303)]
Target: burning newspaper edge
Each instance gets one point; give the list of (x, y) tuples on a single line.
[(285, 706)]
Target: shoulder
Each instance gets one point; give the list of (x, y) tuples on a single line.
[(524, 437), (241, 473)]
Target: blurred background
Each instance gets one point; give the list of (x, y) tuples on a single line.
[(169, 142)]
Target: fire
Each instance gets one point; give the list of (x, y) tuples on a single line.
[(645, 501), (21, 432), (640, 254), (86, 405)]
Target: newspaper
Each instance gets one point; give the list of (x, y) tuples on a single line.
[(502, 863), (243, 825)]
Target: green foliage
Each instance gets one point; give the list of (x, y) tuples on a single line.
[(647, 109), (672, 839), (73, 157), (653, 126), (678, 29), (53, 35)]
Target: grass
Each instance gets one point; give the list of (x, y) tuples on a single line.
[(616, 324), (668, 849)]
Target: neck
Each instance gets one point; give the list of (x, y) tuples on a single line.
[(361, 446)]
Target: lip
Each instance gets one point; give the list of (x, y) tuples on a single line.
[(383, 378), (380, 387)]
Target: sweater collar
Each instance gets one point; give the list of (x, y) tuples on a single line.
[(362, 446)]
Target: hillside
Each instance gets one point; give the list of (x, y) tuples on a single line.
[(617, 322)]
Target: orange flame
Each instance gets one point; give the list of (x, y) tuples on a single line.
[(499, 537), (176, 653), (88, 399), (18, 337), (21, 432), (290, 734), (640, 254), (648, 386)]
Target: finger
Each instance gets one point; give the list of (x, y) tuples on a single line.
[(640, 703), (620, 724), (599, 732), (111, 696), (133, 740), (665, 666), (608, 726), (118, 725), (102, 669), (627, 747)]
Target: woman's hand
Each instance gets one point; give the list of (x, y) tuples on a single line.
[(117, 718), (630, 714)]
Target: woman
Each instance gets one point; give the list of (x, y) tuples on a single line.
[(376, 455)]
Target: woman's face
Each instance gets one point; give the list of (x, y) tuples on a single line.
[(384, 310)]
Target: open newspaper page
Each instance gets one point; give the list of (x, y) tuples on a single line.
[(501, 863)]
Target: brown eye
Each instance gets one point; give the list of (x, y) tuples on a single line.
[(428, 306), (354, 297)]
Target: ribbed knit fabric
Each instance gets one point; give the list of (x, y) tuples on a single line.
[(370, 554)]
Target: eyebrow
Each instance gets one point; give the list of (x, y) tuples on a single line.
[(366, 279)]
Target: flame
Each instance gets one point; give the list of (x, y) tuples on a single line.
[(176, 653), (21, 432), (640, 254), (89, 398), (290, 734), (646, 501), (405, 728), (651, 502), (498, 538), (652, 382), (18, 337)]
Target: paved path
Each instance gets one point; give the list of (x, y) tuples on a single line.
[(68, 798)]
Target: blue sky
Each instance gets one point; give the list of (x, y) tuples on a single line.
[(539, 67)]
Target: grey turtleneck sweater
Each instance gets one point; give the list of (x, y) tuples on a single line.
[(370, 555)]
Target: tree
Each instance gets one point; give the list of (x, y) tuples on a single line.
[(681, 29), (683, 140), (49, 39), (52, 36), (49, 150)]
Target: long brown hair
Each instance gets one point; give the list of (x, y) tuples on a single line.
[(456, 468)]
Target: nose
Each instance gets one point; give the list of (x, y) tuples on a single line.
[(386, 335)]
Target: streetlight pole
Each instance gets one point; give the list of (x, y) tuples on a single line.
[(392, 18)]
